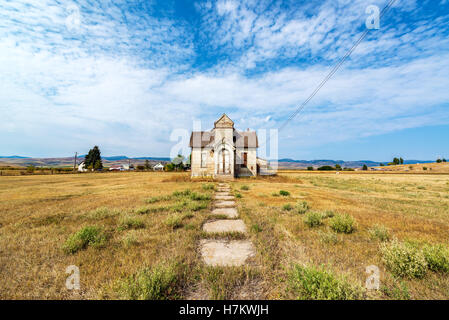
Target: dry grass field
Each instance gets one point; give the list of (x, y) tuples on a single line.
[(135, 236)]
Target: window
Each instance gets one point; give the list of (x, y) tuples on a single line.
[(203, 159)]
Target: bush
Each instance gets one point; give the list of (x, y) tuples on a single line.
[(404, 259), (157, 283), (437, 257), (302, 207), (244, 187), (287, 207), (379, 232), (326, 168), (313, 219), (284, 193), (311, 283), (131, 223), (342, 223), (87, 236), (310, 168), (238, 195)]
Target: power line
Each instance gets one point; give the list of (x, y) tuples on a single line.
[(334, 70)]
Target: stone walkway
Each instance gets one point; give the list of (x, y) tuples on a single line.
[(225, 252)]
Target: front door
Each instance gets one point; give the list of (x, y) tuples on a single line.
[(224, 166), (245, 159)]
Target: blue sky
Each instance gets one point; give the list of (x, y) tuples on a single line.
[(125, 74)]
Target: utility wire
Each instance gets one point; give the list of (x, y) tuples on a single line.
[(334, 70)]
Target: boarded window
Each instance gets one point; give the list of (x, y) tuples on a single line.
[(203, 159)]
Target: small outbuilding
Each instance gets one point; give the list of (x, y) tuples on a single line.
[(158, 167)]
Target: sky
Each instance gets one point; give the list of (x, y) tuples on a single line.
[(135, 77)]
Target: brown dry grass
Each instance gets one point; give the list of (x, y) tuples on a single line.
[(38, 213), (413, 207)]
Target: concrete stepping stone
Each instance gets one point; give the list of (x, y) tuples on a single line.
[(223, 197), (224, 204), (223, 190), (225, 226), (226, 253), (229, 212)]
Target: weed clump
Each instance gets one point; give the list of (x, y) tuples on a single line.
[(208, 186), (160, 282), (87, 236), (174, 221), (284, 193), (131, 223), (328, 237), (437, 257), (302, 207), (244, 188), (313, 219), (342, 223), (380, 233), (312, 283), (287, 207), (404, 259)]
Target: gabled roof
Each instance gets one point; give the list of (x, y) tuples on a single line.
[(201, 139), (224, 122)]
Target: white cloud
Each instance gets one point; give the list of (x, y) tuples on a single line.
[(125, 82)]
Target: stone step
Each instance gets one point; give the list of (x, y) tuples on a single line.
[(225, 226), (225, 252), (229, 212), (223, 189), (224, 204), (223, 197)]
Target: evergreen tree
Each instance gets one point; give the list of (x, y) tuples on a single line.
[(147, 165), (93, 159), (401, 161), (365, 167)]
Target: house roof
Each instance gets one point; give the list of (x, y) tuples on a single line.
[(243, 139)]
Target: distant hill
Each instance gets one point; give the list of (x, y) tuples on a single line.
[(301, 164), (284, 163), (12, 157)]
